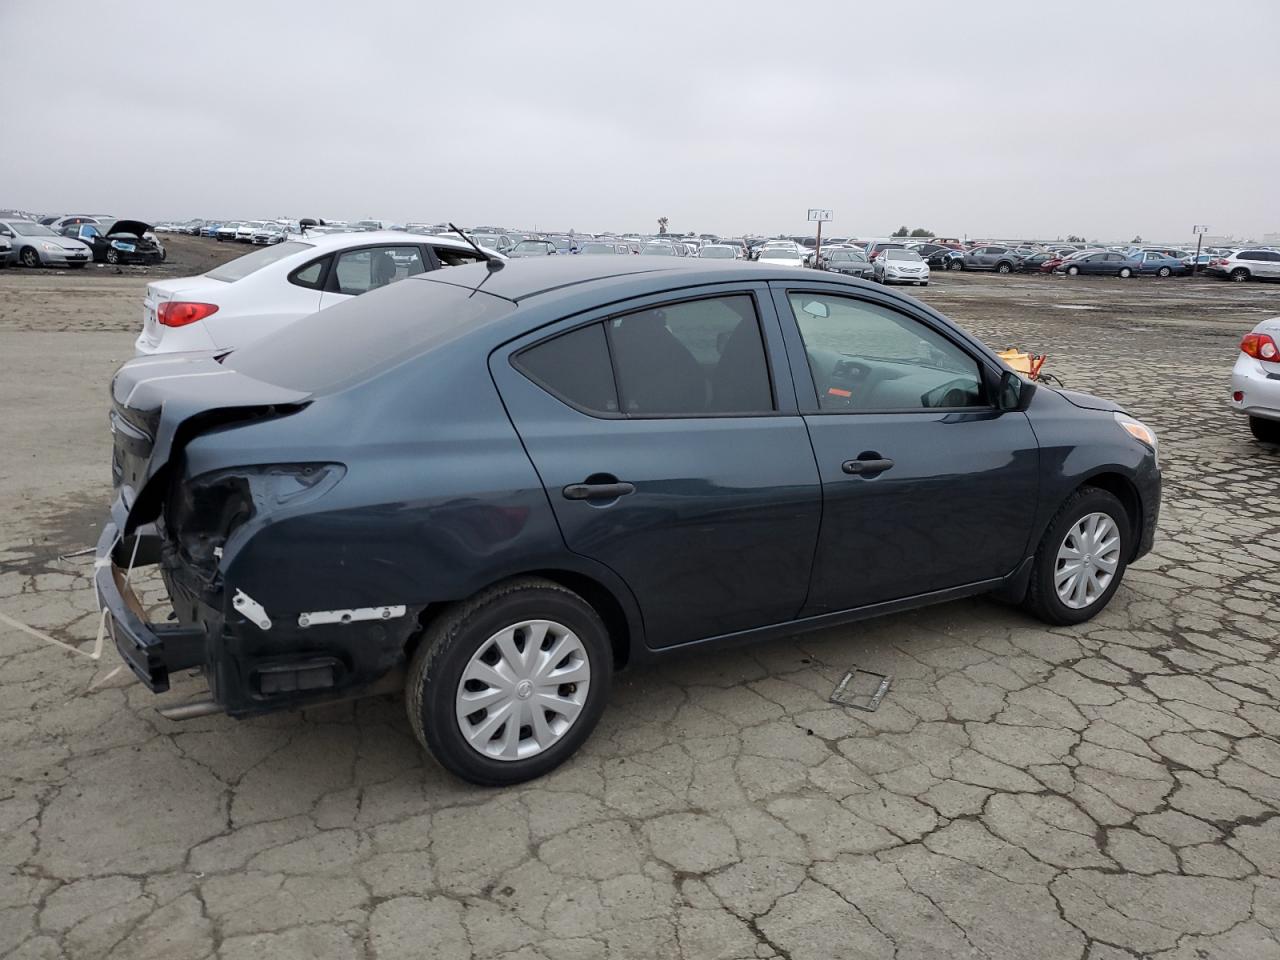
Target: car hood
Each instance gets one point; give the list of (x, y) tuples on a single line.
[(136, 227), (1087, 401)]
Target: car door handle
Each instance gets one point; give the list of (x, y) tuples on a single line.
[(867, 468), (598, 491)]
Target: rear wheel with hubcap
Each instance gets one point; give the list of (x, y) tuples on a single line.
[(1163, 272), (1073, 271), (507, 685), (1268, 431), (1125, 273), (1081, 558), (1239, 274)]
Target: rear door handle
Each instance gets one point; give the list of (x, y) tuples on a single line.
[(598, 491), (867, 468)]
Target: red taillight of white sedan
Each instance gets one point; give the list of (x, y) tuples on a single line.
[(179, 313), (1260, 346)]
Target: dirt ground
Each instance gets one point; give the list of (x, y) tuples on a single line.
[(1102, 792)]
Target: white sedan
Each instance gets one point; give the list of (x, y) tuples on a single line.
[(1255, 380), (781, 256), (251, 296)]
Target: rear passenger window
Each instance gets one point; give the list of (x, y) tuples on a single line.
[(310, 275), (693, 358), (697, 358), (574, 367), (360, 271)]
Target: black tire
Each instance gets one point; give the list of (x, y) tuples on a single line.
[(29, 257), (956, 265), (1267, 431), (1004, 267), (447, 647), (1164, 272), (1125, 273), (1239, 274), (1042, 600), (1073, 271), (113, 256)]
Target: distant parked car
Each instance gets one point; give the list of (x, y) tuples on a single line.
[(781, 256), (945, 258), (1244, 265), (1255, 380), (249, 297), (901, 266), (1156, 263), (1032, 262), (267, 234), (875, 249), (992, 257), (124, 241), (851, 263), (227, 231), (1106, 263), (35, 245), (532, 248), (720, 251), (658, 248)]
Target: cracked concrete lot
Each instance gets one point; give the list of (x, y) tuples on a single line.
[(1102, 792)]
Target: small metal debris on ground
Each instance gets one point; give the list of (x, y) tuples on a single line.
[(861, 689)]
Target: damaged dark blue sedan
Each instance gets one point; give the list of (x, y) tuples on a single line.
[(498, 485)]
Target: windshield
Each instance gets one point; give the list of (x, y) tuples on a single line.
[(658, 250), (725, 252), (847, 255), (531, 246), (241, 267), (903, 255), (29, 228)]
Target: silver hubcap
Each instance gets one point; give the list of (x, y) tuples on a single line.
[(523, 689), (1087, 560)]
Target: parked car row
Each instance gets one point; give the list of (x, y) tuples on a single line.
[(76, 241)]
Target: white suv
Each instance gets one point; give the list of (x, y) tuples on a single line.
[(1247, 265)]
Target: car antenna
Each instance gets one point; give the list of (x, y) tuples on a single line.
[(492, 264)]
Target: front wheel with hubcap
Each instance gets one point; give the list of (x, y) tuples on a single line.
[(29, 257), (1125, 273), (1073, 271), (1004, 268), (113, 256), (1081, 558), (506, 686), (1268, 431)]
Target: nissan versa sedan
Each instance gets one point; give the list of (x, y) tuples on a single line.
[(1255, 380), (499, 484)]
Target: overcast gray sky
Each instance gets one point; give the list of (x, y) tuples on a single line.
[(982, 118)]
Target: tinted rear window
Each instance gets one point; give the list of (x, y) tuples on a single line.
[(575, 367), (359, 338), (241, 267)]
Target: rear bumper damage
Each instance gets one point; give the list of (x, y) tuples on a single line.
[(255, 660)]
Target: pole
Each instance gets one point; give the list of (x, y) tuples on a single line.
[(817, 247), (1196, 262)]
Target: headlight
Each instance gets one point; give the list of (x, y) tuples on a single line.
[(1140, 431), (51, 247)]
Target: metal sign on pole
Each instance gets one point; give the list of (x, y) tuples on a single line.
[(1199, 230), (821, 216)]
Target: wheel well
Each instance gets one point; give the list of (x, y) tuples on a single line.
[(1120, 487), (599, 596)]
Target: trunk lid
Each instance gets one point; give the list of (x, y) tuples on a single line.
[(160, 403)]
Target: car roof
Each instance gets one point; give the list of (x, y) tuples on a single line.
[(323, 242), (521, 280)]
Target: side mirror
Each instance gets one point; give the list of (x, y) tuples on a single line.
[(1014, 393)]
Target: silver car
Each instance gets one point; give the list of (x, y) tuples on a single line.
[(1255, 380), (35, 245), (901, 266)]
